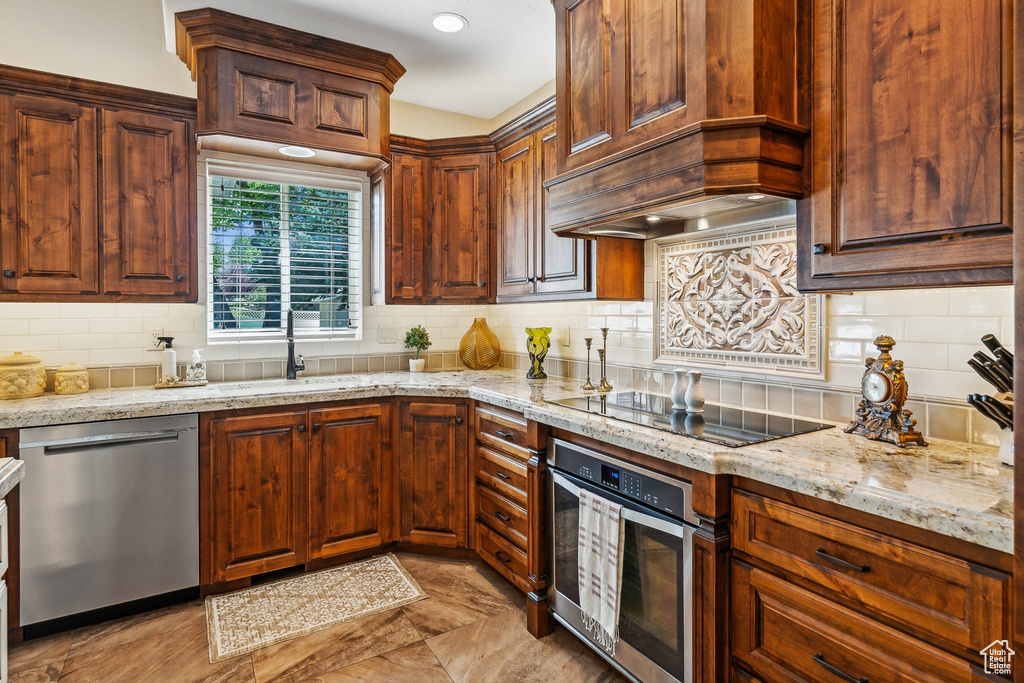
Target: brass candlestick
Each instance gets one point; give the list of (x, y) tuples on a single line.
[(589, 386), (604, 387)]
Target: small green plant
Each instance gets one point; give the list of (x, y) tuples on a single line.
[(417, 338)]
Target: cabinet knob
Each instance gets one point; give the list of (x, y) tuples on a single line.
[(301, 428), (398, 285), (458, 420), (316, 426), (482, 285), (179, 278), (8, 273), (818, 248)]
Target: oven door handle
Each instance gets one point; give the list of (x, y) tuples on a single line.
[(630, 511)]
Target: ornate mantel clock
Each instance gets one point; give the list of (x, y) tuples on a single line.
[(880, 415)]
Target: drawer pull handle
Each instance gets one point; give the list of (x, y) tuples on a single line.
[(842, 564), (502, 558), (502, 516), (504, 435), (501, 475), (836, 671)]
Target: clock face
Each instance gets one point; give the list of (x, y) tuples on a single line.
[(876, 387)]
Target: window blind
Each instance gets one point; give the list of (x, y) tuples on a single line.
[(278, 242)]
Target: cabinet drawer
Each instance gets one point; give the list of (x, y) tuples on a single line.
[(942, 599), (784, 633), (509, 560), (502, 473), (502, 515), (504, 431)]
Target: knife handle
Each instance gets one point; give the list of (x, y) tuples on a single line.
[(993, 345)]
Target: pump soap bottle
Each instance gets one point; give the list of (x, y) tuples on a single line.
[(196, 368), (168, 362)]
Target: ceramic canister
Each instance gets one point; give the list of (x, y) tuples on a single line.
[(71, 379), (21, 376)]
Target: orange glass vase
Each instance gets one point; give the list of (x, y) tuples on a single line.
[(479, 348)]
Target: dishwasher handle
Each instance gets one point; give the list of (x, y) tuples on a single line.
[(101, 444)]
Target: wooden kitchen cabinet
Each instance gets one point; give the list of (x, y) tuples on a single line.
[(805, 583), (406, 232), (460, 229), (57, 134), (534, 263), (257, 495), (910, 146), (48, 186), (149, 205), (263, 86), (439, 224), (349, 476), (432, 473)]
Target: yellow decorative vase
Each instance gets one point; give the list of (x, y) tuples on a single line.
[(479, 348)]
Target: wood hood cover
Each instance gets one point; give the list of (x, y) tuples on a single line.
[(667, 104)]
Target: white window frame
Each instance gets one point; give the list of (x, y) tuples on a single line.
[(347, 180)]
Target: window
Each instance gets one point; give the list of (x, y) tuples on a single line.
[(280, 239)]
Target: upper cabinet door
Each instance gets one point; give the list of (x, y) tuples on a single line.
[(517, 215), (563, 263), (911, 145), (408, 219), (460, 246), (48, 189), (149, 211)]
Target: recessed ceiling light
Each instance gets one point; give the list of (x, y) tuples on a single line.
[(755, 197), (297, 152), (446, 22), (653, 219)]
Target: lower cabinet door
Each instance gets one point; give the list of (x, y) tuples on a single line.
[(433, 472), (785, 633), (258, 494), (349, 465)]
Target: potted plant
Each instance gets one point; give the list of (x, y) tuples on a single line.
[(417, 338)]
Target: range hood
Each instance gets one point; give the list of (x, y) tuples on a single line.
[(706, 213)]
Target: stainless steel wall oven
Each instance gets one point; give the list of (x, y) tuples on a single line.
[(656, 602)]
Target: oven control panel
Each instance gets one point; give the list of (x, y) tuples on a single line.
[(651, 489)]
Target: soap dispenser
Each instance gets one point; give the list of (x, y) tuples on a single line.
[(196, 367), (168, 359)]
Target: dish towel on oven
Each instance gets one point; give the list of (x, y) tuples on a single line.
[(600, 567)]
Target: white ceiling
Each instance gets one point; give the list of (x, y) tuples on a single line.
[(506, 52)]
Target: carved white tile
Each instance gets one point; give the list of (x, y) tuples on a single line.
[(730, 301)]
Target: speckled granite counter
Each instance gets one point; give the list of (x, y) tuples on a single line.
[(11, 473), (954, 489)]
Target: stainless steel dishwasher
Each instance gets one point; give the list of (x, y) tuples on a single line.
[(109, 515)]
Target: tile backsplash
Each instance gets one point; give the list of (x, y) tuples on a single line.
[(936, 331)]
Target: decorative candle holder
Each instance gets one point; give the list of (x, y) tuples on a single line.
[(589, 386), (604, 387), (537, 344)]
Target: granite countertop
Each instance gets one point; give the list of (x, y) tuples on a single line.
[(11, 473), (955, 489)]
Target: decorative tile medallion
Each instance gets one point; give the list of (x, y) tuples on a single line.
[(730, 302)]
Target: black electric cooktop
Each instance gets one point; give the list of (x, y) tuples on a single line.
[(723, 425)]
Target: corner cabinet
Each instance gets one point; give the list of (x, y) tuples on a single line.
[(438, 244), (911, 166), (97, 191), (433, 473), (283, 488)]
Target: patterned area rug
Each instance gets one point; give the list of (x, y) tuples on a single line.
[(253, 618)]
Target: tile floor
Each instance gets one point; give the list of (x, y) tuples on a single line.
[(472, 628)]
